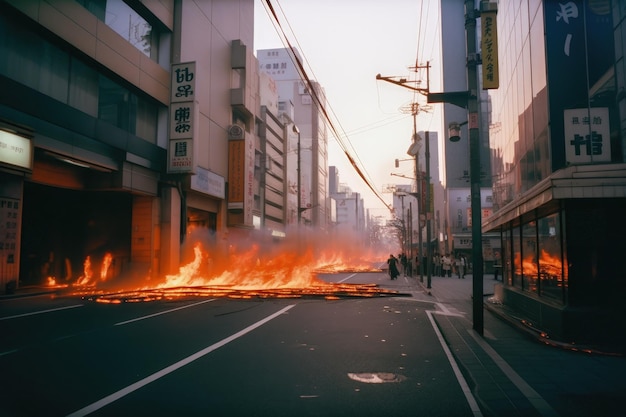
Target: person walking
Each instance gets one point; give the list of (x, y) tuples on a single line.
[(446, 263), (462, 266), (403, 261), (393, 266)]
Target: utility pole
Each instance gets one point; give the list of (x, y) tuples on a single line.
[(299, 186), (427, 212), (474, 139), (469, 100)]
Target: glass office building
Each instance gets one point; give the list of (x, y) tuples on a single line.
[(559, 178)]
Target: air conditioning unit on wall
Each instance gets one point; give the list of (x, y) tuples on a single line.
[(235, 132)]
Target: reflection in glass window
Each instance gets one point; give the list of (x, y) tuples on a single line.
[(530, 266), (124, 21), (114, 104), (83, 94), (517, 258), (552, 283), (507, 275)]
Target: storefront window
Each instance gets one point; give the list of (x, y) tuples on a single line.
[(517, 258), (530, 266), (507, 275), (553, 284)]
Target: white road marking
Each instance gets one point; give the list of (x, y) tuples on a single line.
[(455, 367), (165, 371), (121, 323), (533, 396), (40, 312), (347, 278)]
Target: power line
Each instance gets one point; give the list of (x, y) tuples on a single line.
[(314, 94)]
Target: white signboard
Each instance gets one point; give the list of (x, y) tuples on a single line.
[(208, 182), (16, 150), (183, 82), (587, 135), (183, 118)]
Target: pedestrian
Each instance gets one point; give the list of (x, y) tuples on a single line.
[(461, 262), (409, 266), (446, 263), (393, 266), (403, 261)]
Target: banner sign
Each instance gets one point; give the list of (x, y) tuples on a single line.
[(489, 49), (183, 119)]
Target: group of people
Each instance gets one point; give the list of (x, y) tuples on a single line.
[(443, 265)]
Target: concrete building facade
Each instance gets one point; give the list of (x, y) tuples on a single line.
[(304, 99), (126, 139)]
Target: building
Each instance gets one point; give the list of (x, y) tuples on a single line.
[(308, 99), (456, 180), (349, 205), (558, 166), (270, 166), (124, 133)]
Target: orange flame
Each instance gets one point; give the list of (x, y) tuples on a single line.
[(276, 269)]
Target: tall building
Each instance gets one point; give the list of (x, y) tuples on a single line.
[(559, 178), (125, 129), (308, 100), (271, 204), (349, 210), (457, 220)]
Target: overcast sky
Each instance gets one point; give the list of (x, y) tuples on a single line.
[(344, 44)]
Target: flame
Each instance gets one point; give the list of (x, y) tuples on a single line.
[(106, 263), (247, 270), (87, 278), (549, 267)]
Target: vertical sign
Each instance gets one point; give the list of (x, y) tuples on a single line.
[(236, 173), (587, 135), (489, 49), (10, 220), (183, 118)]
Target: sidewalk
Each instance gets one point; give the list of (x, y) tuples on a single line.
[(513, 372)]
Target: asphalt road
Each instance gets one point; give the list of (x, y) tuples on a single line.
[(381, 356)]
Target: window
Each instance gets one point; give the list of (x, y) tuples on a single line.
[(120, 107), (517, 257), (552, 285), (125, 22), (41, 65), (530, 265), (83, 93)]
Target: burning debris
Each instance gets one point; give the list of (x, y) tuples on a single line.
[(282, 271)]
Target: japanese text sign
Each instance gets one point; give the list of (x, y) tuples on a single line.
[(587, 135)]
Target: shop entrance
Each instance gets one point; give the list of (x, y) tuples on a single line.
[(62, 229)]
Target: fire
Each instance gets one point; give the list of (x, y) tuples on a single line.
[(87, 278), (549, 267), (276, 270), (106, 263)]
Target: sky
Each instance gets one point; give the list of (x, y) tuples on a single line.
[(344, 44)]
